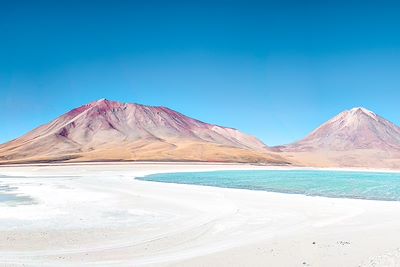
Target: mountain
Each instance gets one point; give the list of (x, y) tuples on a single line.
[(354, 138), (113, 131)]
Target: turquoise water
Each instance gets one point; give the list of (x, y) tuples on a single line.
[(360, 185)]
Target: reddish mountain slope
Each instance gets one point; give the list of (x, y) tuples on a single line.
[(354, 138), (108, 130)]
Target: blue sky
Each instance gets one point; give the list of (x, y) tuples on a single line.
[(274, 69)]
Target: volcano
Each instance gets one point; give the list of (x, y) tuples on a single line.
[(354, 138), (112, 131)]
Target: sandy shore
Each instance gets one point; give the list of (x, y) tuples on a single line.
[(98, 215)]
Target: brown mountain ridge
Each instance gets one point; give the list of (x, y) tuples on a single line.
[(111, 131)]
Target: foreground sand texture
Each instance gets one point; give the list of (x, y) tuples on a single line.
[(99, 215)]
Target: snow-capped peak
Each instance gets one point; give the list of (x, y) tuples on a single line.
[(361, 110)]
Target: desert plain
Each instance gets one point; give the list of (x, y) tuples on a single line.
[(98, 214)]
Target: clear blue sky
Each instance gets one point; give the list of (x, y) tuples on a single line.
[(272, 69)]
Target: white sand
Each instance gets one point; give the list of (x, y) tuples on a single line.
[(98, 215)]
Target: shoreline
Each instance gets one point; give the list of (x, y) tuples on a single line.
[(269, 191), (199, 163), (101, 215)]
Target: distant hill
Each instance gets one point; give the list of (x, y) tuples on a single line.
[(354, 138)]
